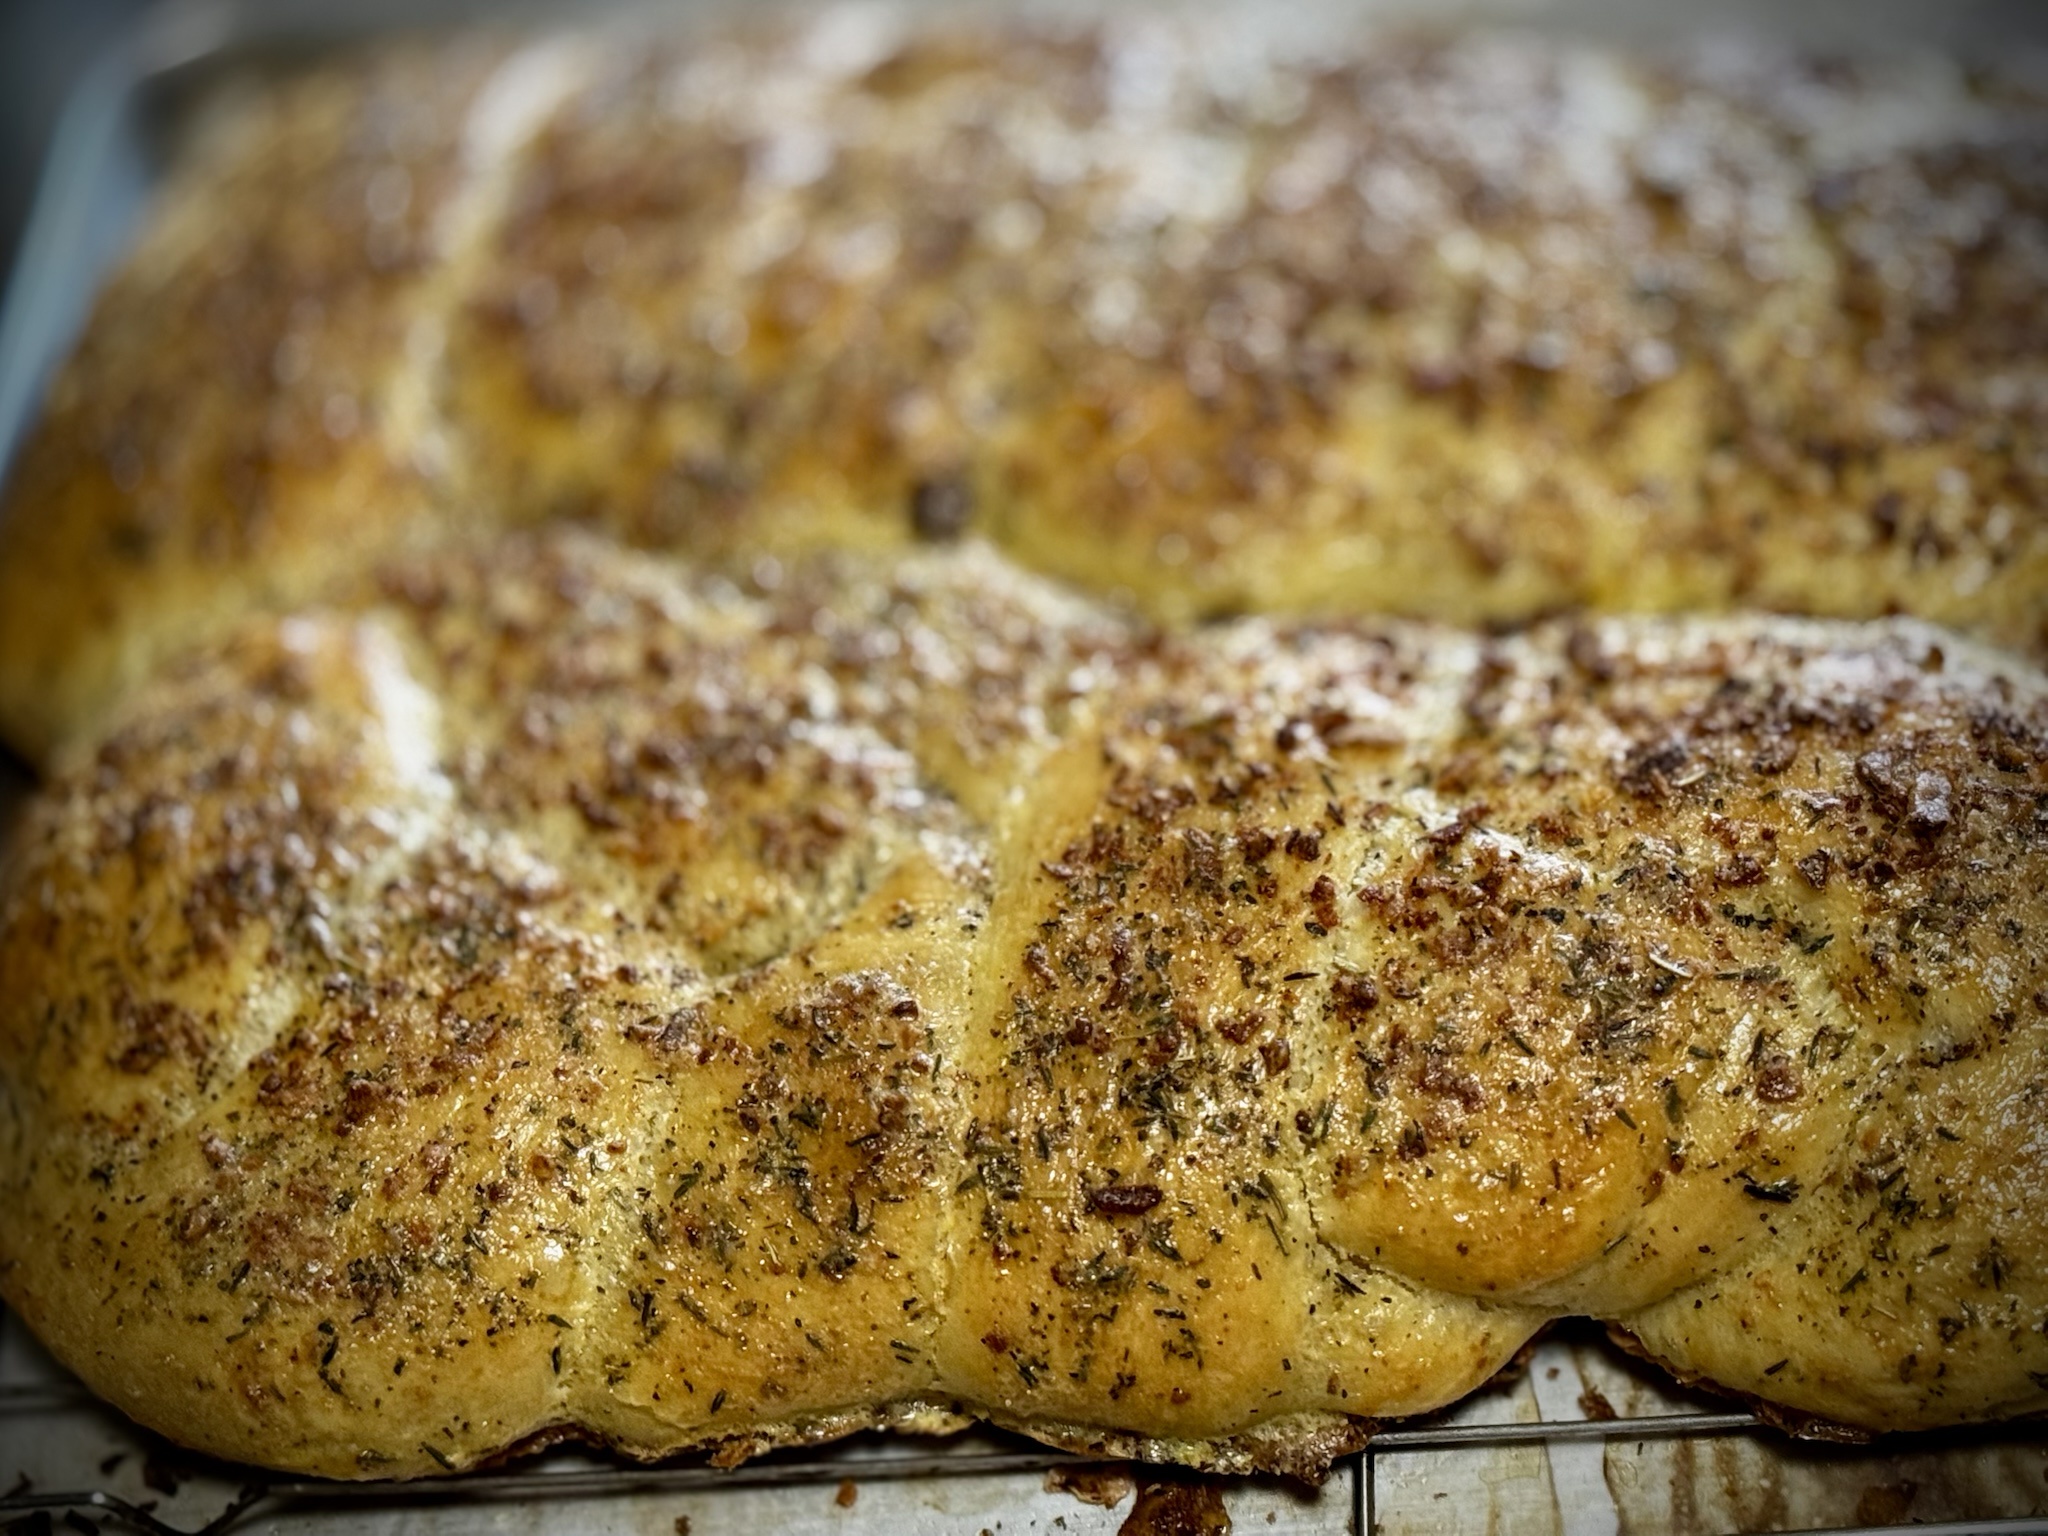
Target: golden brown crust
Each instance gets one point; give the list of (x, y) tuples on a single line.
[(1178, 307), (231, 429), (562, 989)]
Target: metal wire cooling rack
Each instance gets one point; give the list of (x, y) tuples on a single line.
[(1584, 1442)]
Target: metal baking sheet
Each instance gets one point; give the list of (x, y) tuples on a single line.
[(1581, 1440)]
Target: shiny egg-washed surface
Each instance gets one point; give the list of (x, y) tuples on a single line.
[(1211, 313), (562, 991)]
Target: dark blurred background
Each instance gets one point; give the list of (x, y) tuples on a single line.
[(44, 44)]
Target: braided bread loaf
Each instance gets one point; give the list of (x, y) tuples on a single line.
[(856, 969), (1196, 310), (573, 994)]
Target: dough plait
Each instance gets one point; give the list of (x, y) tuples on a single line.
[(1224, 312), (561, 991)]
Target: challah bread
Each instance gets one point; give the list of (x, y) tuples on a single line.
[(561, 991), (239, 422), (1214, 312)]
